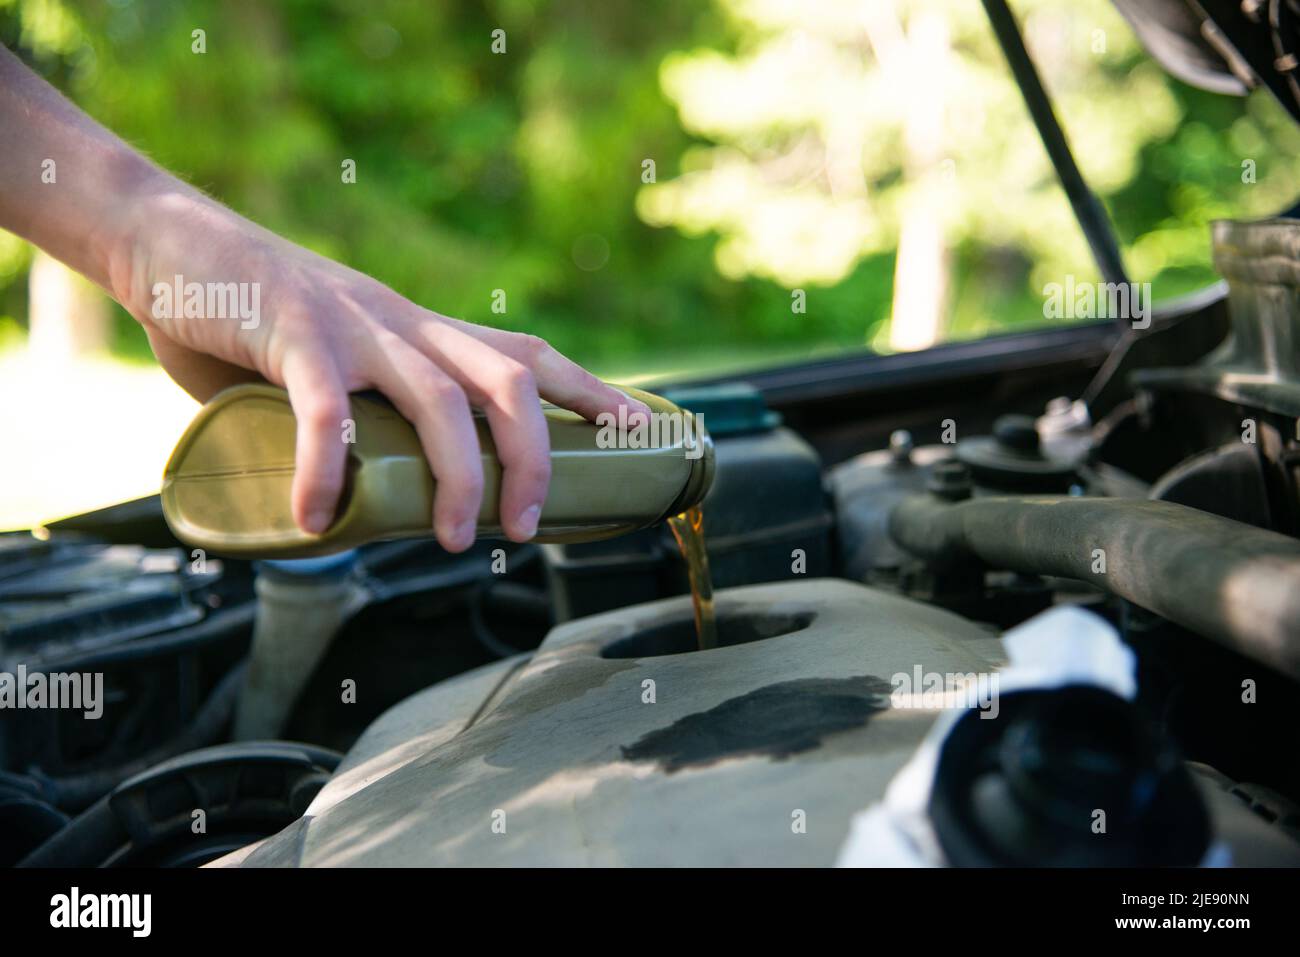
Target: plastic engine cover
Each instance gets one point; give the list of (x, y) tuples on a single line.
[(581, 755)]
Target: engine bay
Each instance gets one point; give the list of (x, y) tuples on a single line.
[(395, 704)]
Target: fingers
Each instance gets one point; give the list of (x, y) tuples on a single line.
[(559, 380), (440, 411), (506, 391), (432, 369), (320, 404)]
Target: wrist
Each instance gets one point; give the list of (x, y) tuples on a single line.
[(127, 231), (170, 238), (160, 228)]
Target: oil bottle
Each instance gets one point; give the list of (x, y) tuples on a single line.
[(226, 487)]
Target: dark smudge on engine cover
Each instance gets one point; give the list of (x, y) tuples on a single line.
[(779, 720)]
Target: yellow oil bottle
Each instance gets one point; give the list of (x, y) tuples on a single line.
[(226, 488)]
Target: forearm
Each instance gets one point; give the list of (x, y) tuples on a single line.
[(68, 185), (91, 201)]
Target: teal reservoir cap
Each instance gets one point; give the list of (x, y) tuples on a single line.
[(734, 408)]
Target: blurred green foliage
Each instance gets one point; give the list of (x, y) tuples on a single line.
[(522, 171)]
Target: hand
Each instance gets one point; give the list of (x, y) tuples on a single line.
[(322, 331)]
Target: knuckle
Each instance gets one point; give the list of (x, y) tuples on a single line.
[(322, 411), (529, 465), (462, 483), (538, 472), (515, 380), (533, 348), (293, 310), (440, 390)]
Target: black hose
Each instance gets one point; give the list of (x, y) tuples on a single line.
[(1232, 583), (524, 601), (75, 792), (138, 822)]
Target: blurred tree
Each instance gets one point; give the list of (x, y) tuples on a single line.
[(845, 130)]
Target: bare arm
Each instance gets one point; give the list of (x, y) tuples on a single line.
[(323, 330)]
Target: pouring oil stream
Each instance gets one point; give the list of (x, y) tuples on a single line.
[(688, 529)]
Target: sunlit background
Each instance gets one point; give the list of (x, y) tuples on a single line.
[(658, 187)]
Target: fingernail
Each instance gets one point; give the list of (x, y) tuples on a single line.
[(317, 521), (465, 533), (528, 520)]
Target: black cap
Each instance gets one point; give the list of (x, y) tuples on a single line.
[(1069, 777)]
